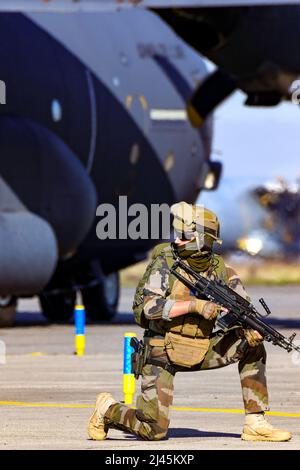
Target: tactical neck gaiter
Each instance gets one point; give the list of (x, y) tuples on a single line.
[(199, 261)]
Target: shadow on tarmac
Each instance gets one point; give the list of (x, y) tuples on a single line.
[(184, 433), (284, 322), (38, 319), (188, 432), (127, 318)]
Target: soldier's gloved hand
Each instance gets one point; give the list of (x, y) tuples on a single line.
[(209, 310), (253, 337)]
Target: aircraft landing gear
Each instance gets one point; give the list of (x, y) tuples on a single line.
[(58, 308), (101, 300), (100, 293), (8, 308)]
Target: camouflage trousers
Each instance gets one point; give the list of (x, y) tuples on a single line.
[(150, 419)]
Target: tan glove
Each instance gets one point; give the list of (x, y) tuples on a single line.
[(252, 336), (209, 310)]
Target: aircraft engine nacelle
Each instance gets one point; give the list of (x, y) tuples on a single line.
[(47, 179), (28, 253)]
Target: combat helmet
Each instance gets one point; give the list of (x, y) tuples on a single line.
[(195, 221)]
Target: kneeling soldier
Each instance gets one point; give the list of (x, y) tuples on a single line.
[(179, 337)]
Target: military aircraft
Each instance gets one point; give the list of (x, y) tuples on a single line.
[(253, 42), (94, 108)]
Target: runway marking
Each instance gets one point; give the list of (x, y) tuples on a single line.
[(233, 410), (175, 408), (45, 405)]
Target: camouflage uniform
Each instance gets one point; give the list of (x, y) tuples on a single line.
[(150, 419)]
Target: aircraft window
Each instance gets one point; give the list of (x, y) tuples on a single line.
[(134, 154), (116, 81), (169, 161), (56, 110)]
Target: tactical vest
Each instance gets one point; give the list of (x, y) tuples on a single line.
[(192, 325), (186, 338)]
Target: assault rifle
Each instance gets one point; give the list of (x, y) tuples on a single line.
[(240, 311)]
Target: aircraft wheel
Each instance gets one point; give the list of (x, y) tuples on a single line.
[(58, 308), (101, 301), (8, 309)]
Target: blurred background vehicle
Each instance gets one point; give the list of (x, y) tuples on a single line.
[(258, 199)]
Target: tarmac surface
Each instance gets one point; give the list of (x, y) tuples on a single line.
[(47, 393)]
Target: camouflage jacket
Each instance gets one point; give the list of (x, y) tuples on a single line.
[(153, 292)]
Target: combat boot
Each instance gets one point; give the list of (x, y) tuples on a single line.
[(257, 428), (97, 429)]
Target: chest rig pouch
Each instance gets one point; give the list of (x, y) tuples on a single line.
[(187, 336), (184, 344)]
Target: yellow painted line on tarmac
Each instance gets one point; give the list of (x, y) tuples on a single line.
[(175, 408), (45, 405), (233, 411)]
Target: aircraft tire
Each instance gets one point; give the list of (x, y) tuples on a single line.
[(8, 310), (101, 301), (58, 308)]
